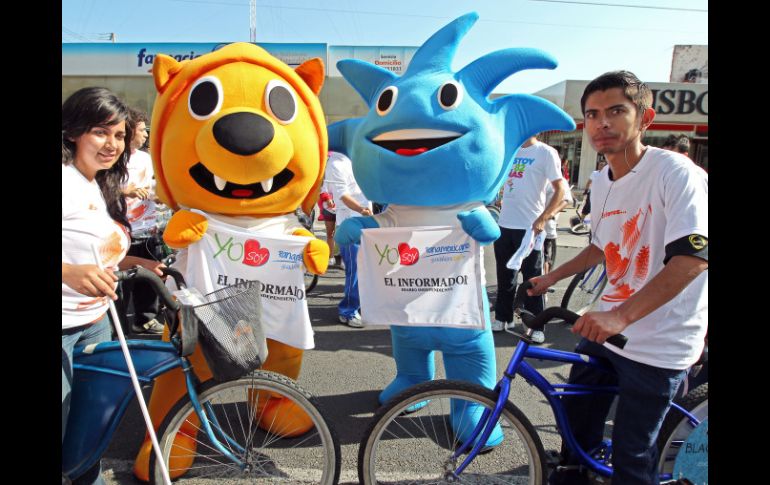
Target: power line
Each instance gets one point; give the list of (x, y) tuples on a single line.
[(441, 17), (623, 5)]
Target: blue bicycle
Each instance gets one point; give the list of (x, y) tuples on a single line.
[(416, 438), (214, 432)]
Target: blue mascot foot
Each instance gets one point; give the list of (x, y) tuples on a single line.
[(464, 418)]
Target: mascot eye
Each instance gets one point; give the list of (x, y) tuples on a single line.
[(280, 101), (386, 100), (450, 95), (205, 98)]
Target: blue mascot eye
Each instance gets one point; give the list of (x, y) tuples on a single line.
[(205, 98), (450, 95), (386, 100)]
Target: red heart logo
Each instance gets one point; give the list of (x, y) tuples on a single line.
[(408, 255), (253, 255)]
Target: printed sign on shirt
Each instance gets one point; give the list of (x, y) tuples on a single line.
[(227, 256), (420, 276)]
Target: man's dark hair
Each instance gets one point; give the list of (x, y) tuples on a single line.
[(670, 142), (635, 90), (683, 144), (138, 116)]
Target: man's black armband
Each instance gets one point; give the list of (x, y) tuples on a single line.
[(692, 245)]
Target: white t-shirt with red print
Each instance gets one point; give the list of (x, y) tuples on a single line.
[(524, 196), (663, 199), (85, 221), (141, 213)]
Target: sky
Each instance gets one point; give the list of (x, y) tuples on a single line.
[(587, 37)]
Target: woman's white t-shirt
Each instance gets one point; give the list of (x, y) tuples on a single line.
[(85, 221)]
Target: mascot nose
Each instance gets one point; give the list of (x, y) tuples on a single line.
[(243, 133)]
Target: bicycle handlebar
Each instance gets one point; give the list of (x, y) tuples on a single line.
[(541, 319), (154, 280)]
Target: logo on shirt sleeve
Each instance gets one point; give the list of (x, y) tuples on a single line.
[(698, 242)]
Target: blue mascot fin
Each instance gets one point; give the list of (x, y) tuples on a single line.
[(485, 73), (437, 52), (340, 135), (532, 115)]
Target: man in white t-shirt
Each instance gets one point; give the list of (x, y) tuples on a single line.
[(350, 202), (523, 207), (649, 210)]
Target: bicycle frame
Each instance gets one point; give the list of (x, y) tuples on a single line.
[(590, 273), (552, 393), (100, 375)]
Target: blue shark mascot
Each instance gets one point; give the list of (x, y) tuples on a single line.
[(435, 149)]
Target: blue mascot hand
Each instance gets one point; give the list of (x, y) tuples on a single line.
[(349, 232), (480, 225)]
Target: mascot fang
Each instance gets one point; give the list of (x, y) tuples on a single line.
[(436, 149)]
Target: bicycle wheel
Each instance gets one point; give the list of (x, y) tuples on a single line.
[(584, 289), (494, 211), (677, 427), (310, 281), (313, 457), (416, 447), (580, 229)]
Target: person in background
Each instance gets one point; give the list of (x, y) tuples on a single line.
[(140, 303), (328, 209), (95, 131), (350, 201), (549, 245), (524, 208)]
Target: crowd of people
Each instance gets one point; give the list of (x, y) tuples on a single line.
[(649, 213)]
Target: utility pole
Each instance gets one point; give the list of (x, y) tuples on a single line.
[(253, 20)]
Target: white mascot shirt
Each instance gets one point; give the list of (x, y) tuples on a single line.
[(229, 255)]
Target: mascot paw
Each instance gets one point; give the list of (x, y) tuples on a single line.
[(479, 225), (316, 254), (181, 456), (282, 417), (184, 228)]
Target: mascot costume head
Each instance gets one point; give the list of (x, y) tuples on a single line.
[(236, 133), (433, 143), (435, 124)]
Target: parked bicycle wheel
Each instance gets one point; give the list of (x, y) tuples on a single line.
[(584, 289), (580, 229), (417, 447), (234, 409), (311, 280), (677, 427)]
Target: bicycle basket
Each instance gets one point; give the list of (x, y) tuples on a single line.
[(230, 331)]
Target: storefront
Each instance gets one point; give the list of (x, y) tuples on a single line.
[(681, 108)]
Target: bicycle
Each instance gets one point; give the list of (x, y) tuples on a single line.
[(213, 430), (584, 289), (413, 438)]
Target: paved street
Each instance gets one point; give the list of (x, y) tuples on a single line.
[(349, 367)]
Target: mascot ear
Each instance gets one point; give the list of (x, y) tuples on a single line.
[(164, 68), (312, 72)]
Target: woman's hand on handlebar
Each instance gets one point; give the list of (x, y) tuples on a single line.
[(89, 280), (131, 261), (540, 284), (599, 326)]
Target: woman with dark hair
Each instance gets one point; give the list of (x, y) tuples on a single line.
[(95, 133)]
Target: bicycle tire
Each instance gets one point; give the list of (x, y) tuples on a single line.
[(313, 457), (311, 280), (584, 289), (520, 456), (494, 211), (580, 229), (676, 427)]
